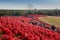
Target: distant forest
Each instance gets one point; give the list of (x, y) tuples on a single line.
[(26, 12)]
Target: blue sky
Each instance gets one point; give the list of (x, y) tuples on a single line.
[(22, 4)]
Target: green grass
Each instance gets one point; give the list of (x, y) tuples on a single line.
[(51, 20)]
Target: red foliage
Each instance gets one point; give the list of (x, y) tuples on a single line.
[(12, 28)]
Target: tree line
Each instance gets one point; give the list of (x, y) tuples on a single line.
[(26, 12)]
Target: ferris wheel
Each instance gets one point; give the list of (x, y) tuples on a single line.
[(30, 6)]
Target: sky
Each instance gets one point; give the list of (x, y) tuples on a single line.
[(23, 4)]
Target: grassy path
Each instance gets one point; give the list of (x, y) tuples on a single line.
[(51, 20)]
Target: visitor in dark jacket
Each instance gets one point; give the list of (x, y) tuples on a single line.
[(53, 27)]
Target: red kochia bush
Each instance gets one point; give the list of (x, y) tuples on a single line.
[(12, 28), (7, 37)]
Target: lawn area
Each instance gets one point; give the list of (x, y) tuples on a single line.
[(53, 20)]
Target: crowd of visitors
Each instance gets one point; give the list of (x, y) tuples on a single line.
[(35, 22)]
